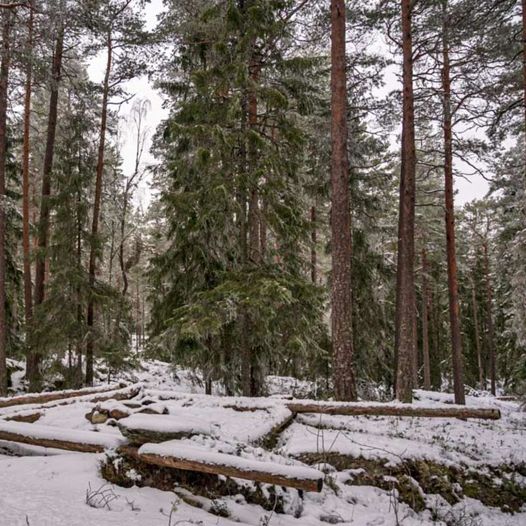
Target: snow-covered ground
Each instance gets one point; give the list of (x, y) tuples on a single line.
[(45, 487)]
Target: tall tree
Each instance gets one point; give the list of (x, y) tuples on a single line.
[(121, 30), (454, 306), (7, 23), (341, 249), (33, 359), (405, 279), (26, 241)]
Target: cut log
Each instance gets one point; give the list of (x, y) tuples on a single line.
[(180, 456), (42, 398), (29, 418), (142, 428), (59, 438), (379, 409)]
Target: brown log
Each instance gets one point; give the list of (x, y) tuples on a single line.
[(29, 418), (42, 398), (82, 442), (229, 470), (393, 410)]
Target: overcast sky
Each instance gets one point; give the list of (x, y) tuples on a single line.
[(468, 189)]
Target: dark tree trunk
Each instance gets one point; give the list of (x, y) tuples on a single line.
[(7, 22), (341, 291), (250, 380), (313, 245), (425, 323), (26, 241), (454, 307), (405, 279), (96, 214), (489, 323), (475, 307), (33, 360)]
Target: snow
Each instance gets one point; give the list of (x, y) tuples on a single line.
[(47, 487)]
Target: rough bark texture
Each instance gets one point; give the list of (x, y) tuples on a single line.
[(7, 21), (341, 292), (489, 323), (359, 409), (231, 471), (313, 249), (33, 359), (96, 213), (425, 322), (474, 305), (405, 280), (26, 241), (452, 280)]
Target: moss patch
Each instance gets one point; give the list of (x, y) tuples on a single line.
[(493, 486)]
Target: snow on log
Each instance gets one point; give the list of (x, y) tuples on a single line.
[(60, 438), (42, 398), (381, 409), (119, 394), (180, 456), (141, 428)]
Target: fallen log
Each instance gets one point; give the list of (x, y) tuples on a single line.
[(379, 409), (29, 418), (119, 394), (176, 455), (143, 428), (59, 438), (42, 398)]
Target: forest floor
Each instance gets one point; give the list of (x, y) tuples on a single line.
[(379, 470)]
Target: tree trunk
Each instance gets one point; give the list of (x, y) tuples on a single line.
[(33, 360), (425, 323), (475, 307), (341, 292), (313, 250), (96, 214), (26, 242), (405, 279), (454, 308), (489, 322), (7, 22)]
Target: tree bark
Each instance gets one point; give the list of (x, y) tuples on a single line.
[(7, 22), (425, 323), (382, 409), (489, 322), (313, 246), (341, 240), (405, 279), (96, 213), (26, 241), (454, 307), (33, 359), (194, 459), (475, 308)]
